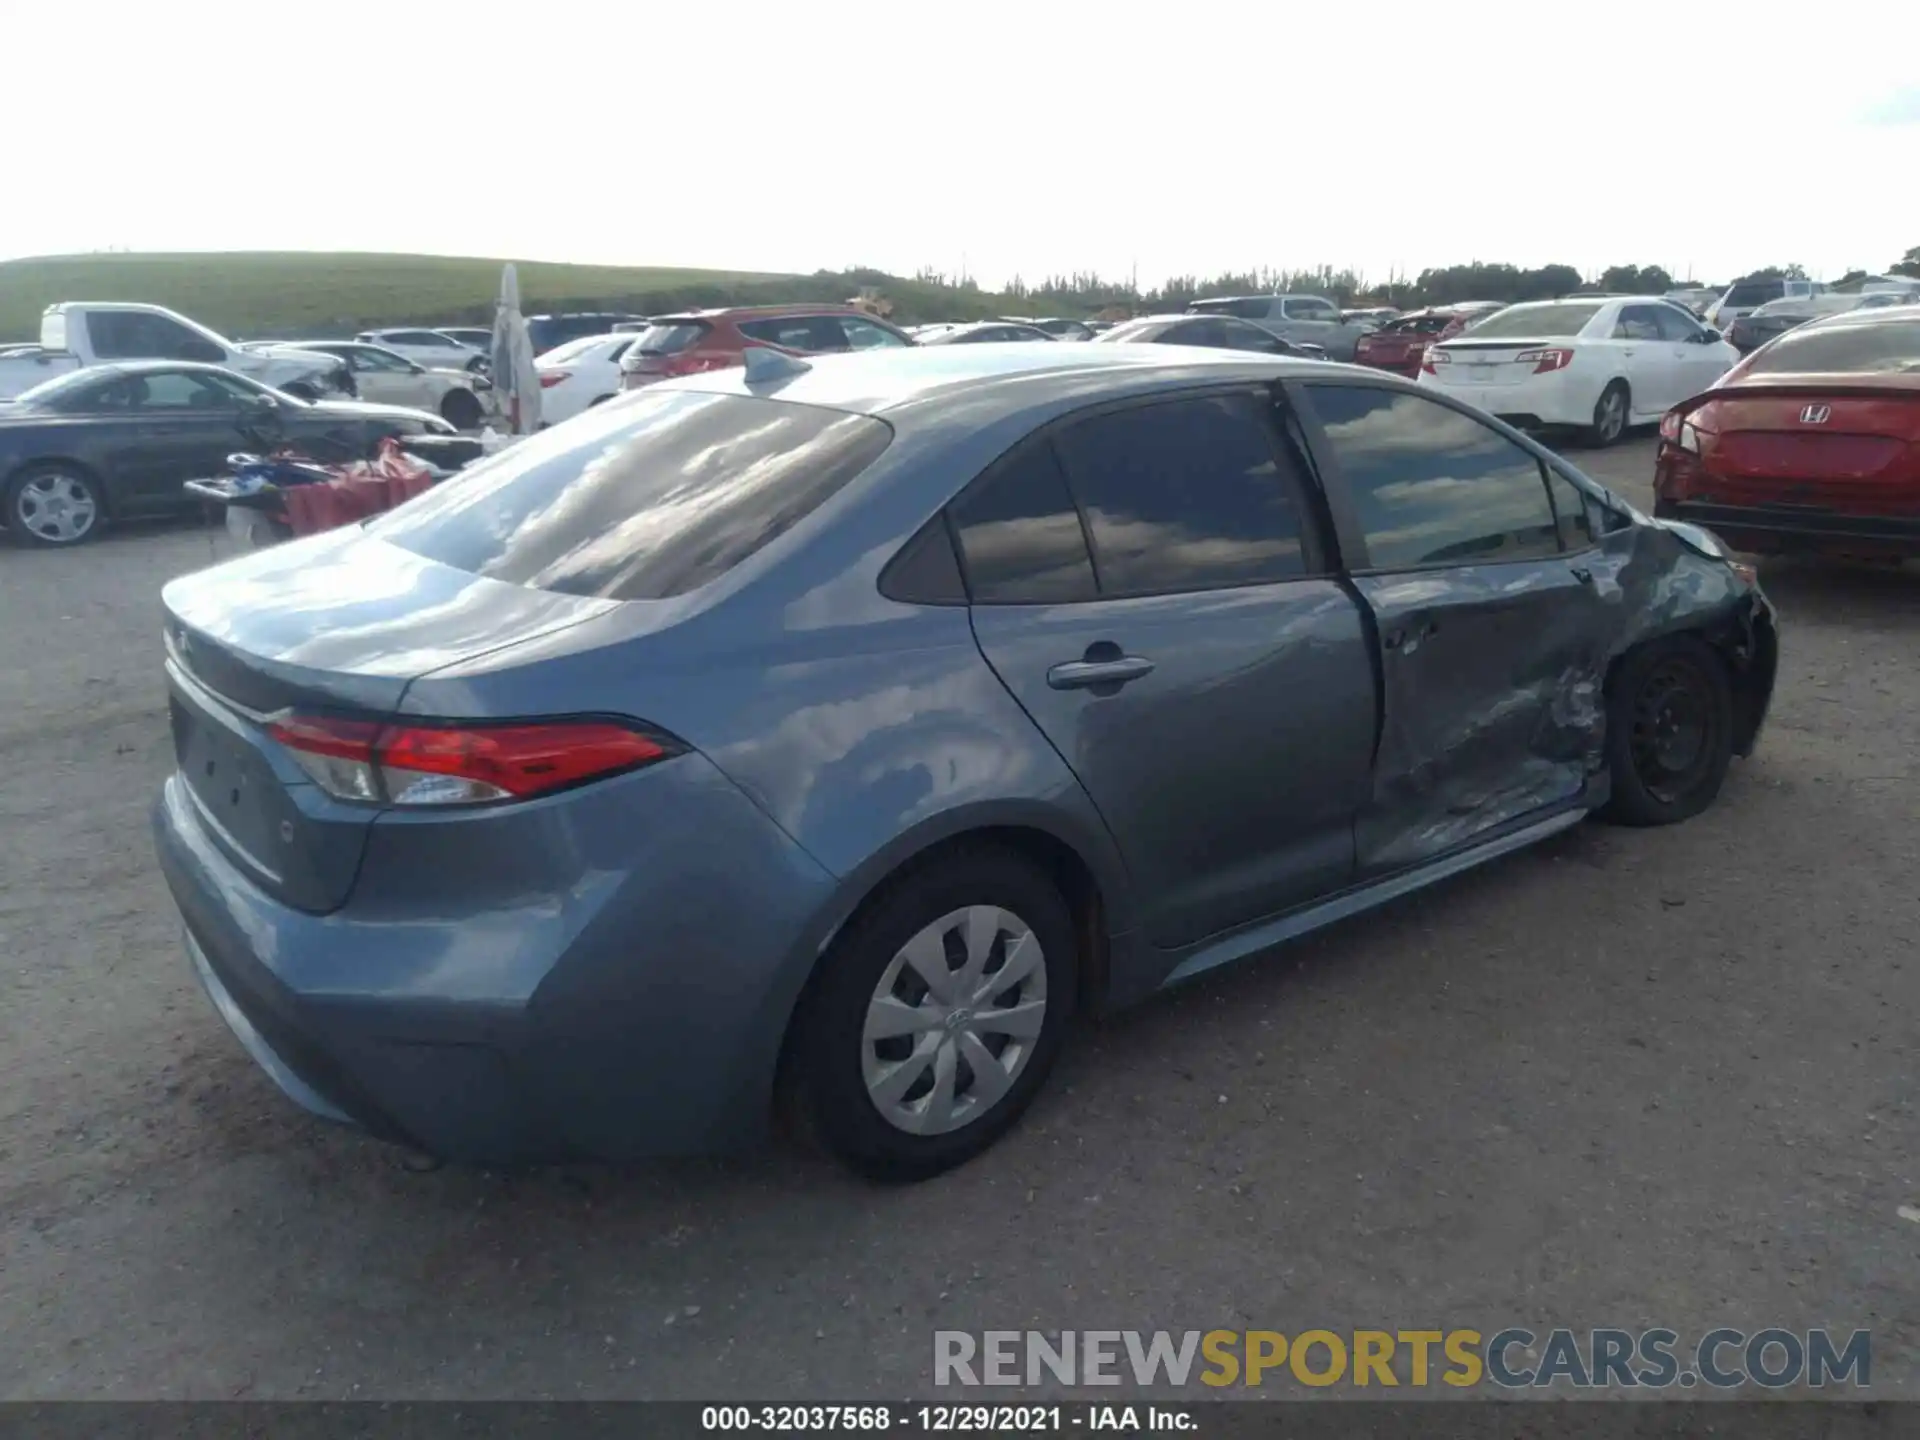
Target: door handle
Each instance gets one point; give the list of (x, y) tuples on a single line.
[(1582, 574), (1091, 674)]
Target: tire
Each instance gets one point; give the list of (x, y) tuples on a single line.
[(1610, 413), (1666, 766), (845, 1075), (460, 409), (57, 505)]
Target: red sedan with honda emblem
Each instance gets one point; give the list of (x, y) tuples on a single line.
[(1812, 443)]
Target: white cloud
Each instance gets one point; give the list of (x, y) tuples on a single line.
[(1011, 138)]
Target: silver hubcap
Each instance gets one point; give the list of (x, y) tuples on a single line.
[(1613, 413), (954, 1020), (56, 507)]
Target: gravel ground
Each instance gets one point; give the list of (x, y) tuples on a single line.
[(1628, 1078)]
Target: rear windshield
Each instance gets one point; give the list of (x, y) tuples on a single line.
[(1254, 308), (642, 499), (1532, 321), (1755, 292), (1417, 325), (670, 337), (1886, 348)]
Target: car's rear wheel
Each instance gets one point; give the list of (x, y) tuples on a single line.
[(461, 410), (1609, 416), (55, 505), (937, 1015), (1669, 732)]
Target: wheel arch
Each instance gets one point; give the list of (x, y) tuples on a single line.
[(1088, 880)]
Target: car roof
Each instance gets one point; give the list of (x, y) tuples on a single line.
[(729, 312), (1873, 315), (876, 382), (153, 367)]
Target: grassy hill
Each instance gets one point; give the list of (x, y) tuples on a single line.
[(266, 294)]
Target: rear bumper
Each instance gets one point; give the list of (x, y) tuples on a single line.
[(1561, 399), (626, 1015), (1777, 529)]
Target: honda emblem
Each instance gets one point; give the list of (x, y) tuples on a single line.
[(1815, 414)]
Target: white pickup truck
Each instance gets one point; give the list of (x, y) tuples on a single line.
[(75, 334)]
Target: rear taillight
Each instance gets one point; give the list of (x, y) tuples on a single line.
[(551, 378), (460, 764), (1545, 362), (1434, 358)]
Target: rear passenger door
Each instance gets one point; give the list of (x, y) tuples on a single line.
[(1151, 584), (1470, 552)]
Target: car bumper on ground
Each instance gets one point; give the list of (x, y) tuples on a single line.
[(626, 1015), (1561, 399), (1788, 529)]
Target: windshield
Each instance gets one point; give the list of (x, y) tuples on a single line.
[(1536, 321), (1886, 348), (642, 500)]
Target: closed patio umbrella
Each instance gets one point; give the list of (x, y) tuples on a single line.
[(514, 378)]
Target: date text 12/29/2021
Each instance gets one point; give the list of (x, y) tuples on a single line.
[(946, 1419)]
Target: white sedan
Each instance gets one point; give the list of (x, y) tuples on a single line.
[(580, 374), (1595, 365), (432, 348), (461, 397)]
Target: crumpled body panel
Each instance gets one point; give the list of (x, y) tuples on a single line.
[(1493, 683)]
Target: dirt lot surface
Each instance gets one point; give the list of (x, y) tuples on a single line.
[(1629, 1078)]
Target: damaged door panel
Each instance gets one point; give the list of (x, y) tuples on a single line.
[(1492, 678)]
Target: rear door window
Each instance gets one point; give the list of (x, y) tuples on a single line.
[(1186, 495), (1430, 484), (643, 500), (1020, 536), (865, 335)]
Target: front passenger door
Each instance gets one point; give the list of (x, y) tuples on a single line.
[(1654, 370), (1491, 635), (1150, 584)]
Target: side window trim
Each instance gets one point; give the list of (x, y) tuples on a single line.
[(1352, 534)]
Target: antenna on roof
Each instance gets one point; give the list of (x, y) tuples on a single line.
[(766, 367)]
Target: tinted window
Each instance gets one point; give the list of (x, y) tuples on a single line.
[(1417, 325), (1195, 332), (1754, 292), (1537, 321), (812, 333), (1570, 511), (670, 337), (1432, 485), (1131, 332), (1311, 310), (641, 500), (1020, 538), (175, 390), (1880, 347), (370, 358), (1186, 495)]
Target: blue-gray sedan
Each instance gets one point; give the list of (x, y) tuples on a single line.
[(833, 731)]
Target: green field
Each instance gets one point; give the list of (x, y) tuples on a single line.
[(267, 294)]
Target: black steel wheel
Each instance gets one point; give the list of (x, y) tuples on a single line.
[(1669, 731)]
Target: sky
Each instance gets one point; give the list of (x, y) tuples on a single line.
[(972, 136)]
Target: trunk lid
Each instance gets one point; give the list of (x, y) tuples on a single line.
[(1490, 362), (1836, 446), (342, 624)]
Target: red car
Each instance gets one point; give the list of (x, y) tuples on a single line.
[(1401, 345), (716, 339), (1810, 443)]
